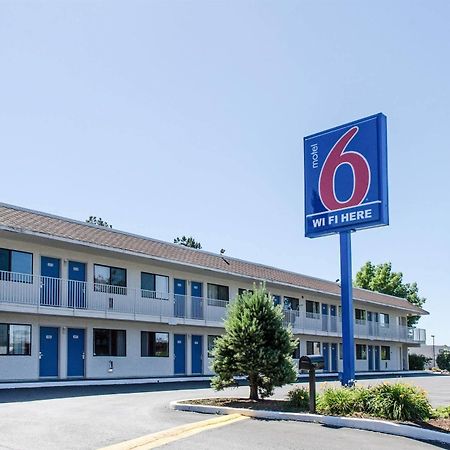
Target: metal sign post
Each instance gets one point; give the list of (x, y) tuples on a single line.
[(345, 190), (348, 340)]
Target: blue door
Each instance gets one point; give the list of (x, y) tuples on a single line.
[(370, 356), (179, 291), (326, 356), (197, 354), (75, 352), (377, 357), (180, 354), (50, 281), (197, 299), (324, 317), (48, 352), (334, 358), (333, 320), (77, 285)]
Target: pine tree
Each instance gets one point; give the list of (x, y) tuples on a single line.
[(255, 345)]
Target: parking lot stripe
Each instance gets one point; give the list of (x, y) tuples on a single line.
[(155, 440)]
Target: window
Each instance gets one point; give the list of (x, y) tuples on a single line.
[(360, 314), (110, 342), (291, 303), (218, 295), (112, 280), (341, 351), (241, 291), (312, 309), (154, 344), (296, 354), (385, 352), (361, 351), (312, 348), (211, 342), (384, 320), (16, 266), (276, 299), (154, 286), (15, 339)]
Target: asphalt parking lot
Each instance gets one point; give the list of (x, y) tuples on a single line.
[(91, 417)]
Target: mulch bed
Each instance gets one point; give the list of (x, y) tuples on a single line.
[(442, 425)]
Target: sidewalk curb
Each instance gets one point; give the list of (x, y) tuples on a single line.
[(379, 426)]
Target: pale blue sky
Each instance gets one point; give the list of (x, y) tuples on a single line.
[(174, 117)]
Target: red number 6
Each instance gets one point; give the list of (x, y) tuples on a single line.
[(360, 168)]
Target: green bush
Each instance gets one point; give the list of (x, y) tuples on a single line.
[(299, 397), (398, 402), (388, 401), (418, 362), (443, 360), (342, 401), (442, 413)]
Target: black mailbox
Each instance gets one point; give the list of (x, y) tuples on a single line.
[(309, 362)]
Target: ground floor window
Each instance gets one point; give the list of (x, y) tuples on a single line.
[(15, 339), (385, 352), (154, 344), (361, 351), (110, 342), (296, 354), (211, 342), (312, 348)]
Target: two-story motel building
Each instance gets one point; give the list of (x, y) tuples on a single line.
[(83, 301)]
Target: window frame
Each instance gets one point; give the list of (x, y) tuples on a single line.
[(362, 354), (111, 288), (288, 301), (314, 346), (384, 323), (8, 343), (214, 336), (315, 313), (362, 314), (216, 301), (148, 332), (387, 353), (24, 277), (145, 293), (110, 330)]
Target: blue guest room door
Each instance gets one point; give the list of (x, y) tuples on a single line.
[(50, 283), (197, 299), (334, 358), (326, 356), (77, 287), (48, 352), (370, 356), (197, 352), (180, 354), (75, 352), (179, 290)]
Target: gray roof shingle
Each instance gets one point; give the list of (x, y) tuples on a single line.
[(18, 219)]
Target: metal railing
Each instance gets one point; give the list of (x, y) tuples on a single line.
[(46, 292)]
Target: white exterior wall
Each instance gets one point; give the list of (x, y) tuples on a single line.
[(133, 365)]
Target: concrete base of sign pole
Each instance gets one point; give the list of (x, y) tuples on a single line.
[(379, 426)]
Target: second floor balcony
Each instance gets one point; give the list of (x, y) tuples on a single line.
[(38, 294)]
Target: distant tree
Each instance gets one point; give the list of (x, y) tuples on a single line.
[(381, 278), (187, 242), (418, 362), (443, 360), (98, 221), (255, 345)]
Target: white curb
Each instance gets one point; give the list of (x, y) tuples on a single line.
[(379, 426)]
